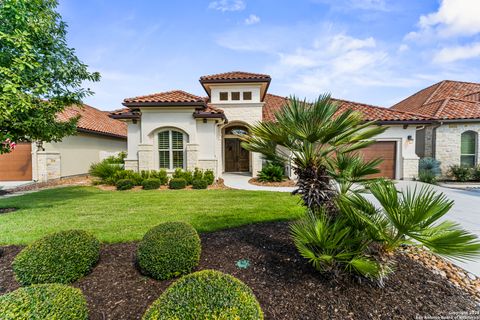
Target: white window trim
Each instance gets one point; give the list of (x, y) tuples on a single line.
[(475, 143), (171, 149)]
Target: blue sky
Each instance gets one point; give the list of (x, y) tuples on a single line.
[(371, 51)]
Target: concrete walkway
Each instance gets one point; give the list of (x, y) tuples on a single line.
[(240, 181)]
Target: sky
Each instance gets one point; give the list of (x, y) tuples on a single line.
[(371, 51)]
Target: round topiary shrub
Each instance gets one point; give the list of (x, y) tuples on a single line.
[(125, 184), (177, 183), (199, 184), (44, 301), (169, 250), (206, 294), (62, 257), (151, 184)]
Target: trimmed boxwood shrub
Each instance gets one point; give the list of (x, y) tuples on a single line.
[(169, 250), (209, 176), (124, 184), (199, 184), (150, 184), (177, 183), (206, 294), (62, 257), (44, 301)]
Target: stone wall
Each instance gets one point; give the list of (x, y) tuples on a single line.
[(47, 166), (447, 143)]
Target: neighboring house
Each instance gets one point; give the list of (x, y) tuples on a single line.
[(98, 136), (454, 107), (176, 129)]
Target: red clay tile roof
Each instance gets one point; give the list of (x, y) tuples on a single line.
[(370, 113), (175, 96), (446, 100), (273, 103), (235, 75), (95, 121)]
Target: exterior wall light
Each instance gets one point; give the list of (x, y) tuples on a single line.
[(409, 139)]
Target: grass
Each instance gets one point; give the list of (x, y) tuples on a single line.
[(122, 216)]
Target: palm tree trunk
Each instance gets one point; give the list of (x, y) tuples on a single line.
[(315, 188)]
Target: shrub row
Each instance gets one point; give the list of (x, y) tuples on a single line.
[(271, 172), (110, 171), (462, 173), (166, 251)]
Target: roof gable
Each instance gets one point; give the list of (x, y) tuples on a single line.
[(175, 97), (235, 76), (445, 100)]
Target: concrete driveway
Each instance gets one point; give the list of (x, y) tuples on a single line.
[(465, 211)]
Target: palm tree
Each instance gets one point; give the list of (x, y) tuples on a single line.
[(321, 143)]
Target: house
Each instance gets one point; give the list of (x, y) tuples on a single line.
[(98, 136), (452, 137), (177, 129)]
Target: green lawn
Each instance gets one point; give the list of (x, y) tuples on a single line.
[(125, 216)]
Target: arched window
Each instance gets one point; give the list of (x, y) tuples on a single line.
[(468, 149), (171, 149), (236, 130)]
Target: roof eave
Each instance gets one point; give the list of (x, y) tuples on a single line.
[(165, 104), (400, 122), (112, 135)]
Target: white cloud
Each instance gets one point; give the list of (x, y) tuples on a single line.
[(453, 18), (403, 47), (252, 19), (452, 54), (227, 5)]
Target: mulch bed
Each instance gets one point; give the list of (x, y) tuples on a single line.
[(284, 183), (285, 285)]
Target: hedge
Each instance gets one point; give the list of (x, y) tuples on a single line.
[(206, 294), (169, 250), (199, 184), (151, 184), (62, 257), (44, 301), (177, 183), (124, 184)]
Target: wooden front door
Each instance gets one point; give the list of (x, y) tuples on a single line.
[(236, 158)]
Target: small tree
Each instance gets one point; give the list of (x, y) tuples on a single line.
[(39, 74), (321, 142)]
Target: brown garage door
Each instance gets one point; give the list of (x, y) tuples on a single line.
[(17, 165), (385, 150)]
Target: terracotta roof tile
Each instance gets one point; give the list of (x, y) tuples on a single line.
[(175, 96), (445, 100), (274, 103), (235, 75), (94, 120)]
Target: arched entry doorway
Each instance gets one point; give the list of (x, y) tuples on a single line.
[(236, 158)]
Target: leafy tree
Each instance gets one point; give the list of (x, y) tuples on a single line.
[(321, 143), (39, 74)]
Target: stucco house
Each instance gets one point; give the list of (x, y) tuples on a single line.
[(177, 129), (452, 136), (98, 136)]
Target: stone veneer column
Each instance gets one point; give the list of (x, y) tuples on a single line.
[(145, 157), (410, 168), (131, 165), (256, 163), (48, 165), (192, 155)]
